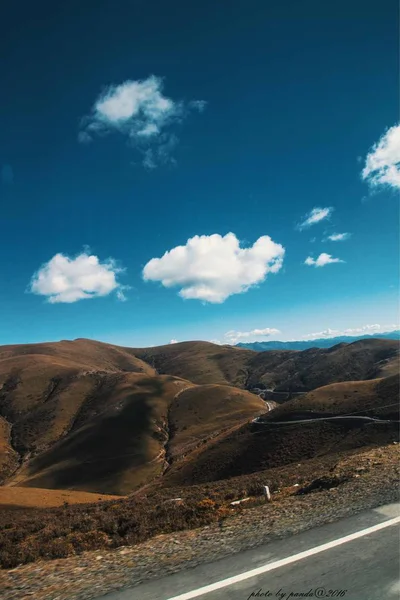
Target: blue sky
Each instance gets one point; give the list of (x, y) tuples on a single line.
[(128, 129)]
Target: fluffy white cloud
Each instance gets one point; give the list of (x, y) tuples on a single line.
[(142, 113), (382, 165), (173, 341), (352, 331), (213, 267), (65, 279), (322, 260), (233, 336), (315, 216), (338, 237)]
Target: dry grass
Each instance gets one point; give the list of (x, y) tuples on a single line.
[(61, 532), (251, 448), (22, 498), (360, 397)]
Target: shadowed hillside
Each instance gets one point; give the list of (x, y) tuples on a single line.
[(255, 447), (68, 425), (85, 415), (202, 362)]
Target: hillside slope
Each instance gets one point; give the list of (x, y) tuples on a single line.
[(87, 416), (200, 362), (255, 447), (203, 362)]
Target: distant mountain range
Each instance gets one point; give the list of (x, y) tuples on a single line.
[(319, 343)]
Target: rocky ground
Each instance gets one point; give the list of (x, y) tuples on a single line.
[(372, 479)]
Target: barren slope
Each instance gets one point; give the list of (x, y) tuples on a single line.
[(73, 425), (91, 416), (376, 397), (253, 447), (203, 362), (199, 362)]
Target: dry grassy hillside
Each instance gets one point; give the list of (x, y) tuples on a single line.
[(253, 448), (199, 413), (310, 369), (88, 416), (80, 353), (8, 457), (20, 500), (91, 416), (124, 435), (116, 442), (376, 397), (200, 362), (203, 362)]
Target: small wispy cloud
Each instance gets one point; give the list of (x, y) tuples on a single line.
[(139, 111), (338, 237), (382, 164), (233, 336), (322, 260), (315, 216), (173, 341), (64, 279), (351, 331)]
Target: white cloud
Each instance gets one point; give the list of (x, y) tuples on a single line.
[(315, 216), (322, 260), (173, 341), (143, 114), (382, 165), (338, 237), (213, 267), (321, 334), (352, 331), (65, 279), (233, 336), (217, 342)]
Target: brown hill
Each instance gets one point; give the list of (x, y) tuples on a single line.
[(252, 447), (202, 362), (88, 416), (91, 416), (310, 369), (374, 398), (199, 362), (124, 435)]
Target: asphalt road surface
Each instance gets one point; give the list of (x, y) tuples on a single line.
[(356, 558)]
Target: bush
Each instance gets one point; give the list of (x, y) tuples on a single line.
[(88, 541), (206, 504), (58, 548)]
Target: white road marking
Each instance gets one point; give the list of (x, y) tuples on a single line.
[(284, 561)]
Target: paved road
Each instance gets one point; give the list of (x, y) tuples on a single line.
[(338, 418), (359, 557)]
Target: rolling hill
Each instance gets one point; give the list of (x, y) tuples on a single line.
[(203, 362), (255, 447), (89, 416)]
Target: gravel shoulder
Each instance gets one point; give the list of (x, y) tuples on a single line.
[(373, 481)]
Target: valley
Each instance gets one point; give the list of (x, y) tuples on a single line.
[(83, 422)]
